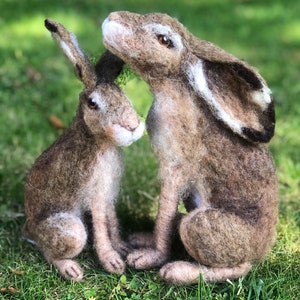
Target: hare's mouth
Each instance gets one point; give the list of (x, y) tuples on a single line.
[(125, 137)]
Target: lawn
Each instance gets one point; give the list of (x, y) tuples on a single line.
[(36, 81)]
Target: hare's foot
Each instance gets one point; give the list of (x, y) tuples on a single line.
[(122, 248), (182, 272), (112, 262), (141, 240), (69, 269), (146, 258), (222, 274)]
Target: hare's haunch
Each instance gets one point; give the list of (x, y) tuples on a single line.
[(80, 172), (211, 117)]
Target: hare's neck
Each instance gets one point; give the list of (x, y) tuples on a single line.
[(173, 104), (83, 135), (173, 89), (163, 84), (80, 129)]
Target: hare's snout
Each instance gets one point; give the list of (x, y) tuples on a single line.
[(125, 136), (114, 32), (111, 28), (113, 16)]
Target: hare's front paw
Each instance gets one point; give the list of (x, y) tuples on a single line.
[(141, 240), (146, 258), (69, 269), (122, 248), (113, 263)]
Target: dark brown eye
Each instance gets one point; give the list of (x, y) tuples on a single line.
[(92, 104), (165, 41)]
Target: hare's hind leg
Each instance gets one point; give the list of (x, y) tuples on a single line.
[(221, 241), (61, 237)]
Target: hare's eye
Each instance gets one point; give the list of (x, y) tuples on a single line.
[(165, 41), (92, 104)]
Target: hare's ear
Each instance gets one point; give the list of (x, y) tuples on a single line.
[(108, 67), (236, 95), (69, 44)]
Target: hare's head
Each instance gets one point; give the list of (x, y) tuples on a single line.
[(139, 40), (108, 113), (157, 47), (104, 108)]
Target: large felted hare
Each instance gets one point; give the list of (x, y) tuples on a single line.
[(211, 117), (80, 172)]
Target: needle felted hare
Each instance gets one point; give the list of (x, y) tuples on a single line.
[(211, 117), (80, 172)]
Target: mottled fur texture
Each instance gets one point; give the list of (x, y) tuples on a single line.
[(211, 117), (80, 172)]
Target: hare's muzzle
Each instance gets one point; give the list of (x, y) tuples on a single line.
[(113, 16), (115, 32), (138, 131), (123, 136), (111, 27)]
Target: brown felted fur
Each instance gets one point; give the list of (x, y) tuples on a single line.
[(211, 115), (81, 171)]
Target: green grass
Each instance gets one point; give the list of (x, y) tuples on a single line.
[(36, 81)]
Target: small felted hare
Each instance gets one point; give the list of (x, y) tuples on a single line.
[(80, 172), (211, 117)]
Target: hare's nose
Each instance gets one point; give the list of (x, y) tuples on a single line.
[(113, 16), (131, 123)]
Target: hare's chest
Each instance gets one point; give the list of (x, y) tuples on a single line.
[(173, 126), (103, 183)]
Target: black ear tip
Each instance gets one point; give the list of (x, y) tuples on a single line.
[(257, 136), (50, 25)]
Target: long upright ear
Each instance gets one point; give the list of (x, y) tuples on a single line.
[(69, 44), (236, 94), (108, 67)]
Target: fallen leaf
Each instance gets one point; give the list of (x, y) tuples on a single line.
[(56, 122), (18, 272), (10, 289)]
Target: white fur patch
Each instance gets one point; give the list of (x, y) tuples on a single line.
[(76, 45), (262, 97), (138, 132), (113, 32), (31, 241), (167, 31), (124, 137), (198, 82), (55, 219), (98, 99), (69, 52)]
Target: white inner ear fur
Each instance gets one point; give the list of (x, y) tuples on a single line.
[(67, 49), (76, 45), (167, 31), (262, 97), (198, 81), (98, 99)]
